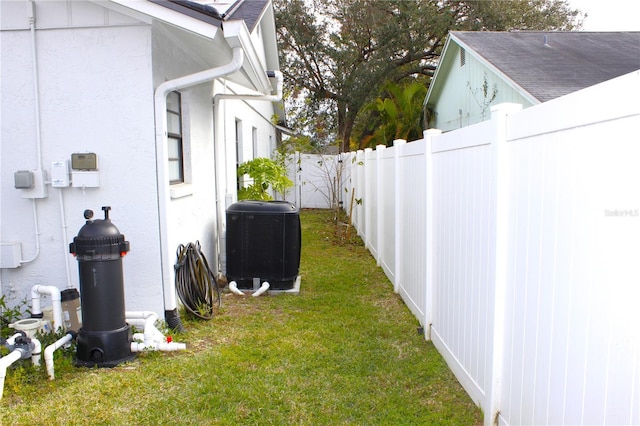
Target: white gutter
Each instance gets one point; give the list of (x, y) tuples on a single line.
[(255, 97), (162, 164)]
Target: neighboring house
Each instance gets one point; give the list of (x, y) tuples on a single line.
[(160, 99), (480, 69)]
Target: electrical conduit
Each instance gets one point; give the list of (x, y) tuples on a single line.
[(31, 15)]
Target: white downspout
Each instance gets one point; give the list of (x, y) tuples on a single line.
[(56, 303), (221, 240), (162, 164)]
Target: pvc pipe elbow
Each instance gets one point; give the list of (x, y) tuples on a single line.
[(263, 288), (233, 287), (5, 362), (56, 298), (49, 350)]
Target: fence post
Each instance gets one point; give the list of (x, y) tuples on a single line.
[(360, 191), (397, 187), (499, 115), (429, 136), (297, 173), (366, 203), (380, 205)]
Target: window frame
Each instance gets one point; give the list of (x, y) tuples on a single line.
[(176, 138)]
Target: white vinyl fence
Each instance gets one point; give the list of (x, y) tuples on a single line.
[(516, 243)]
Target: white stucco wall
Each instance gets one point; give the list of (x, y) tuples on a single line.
[(192, 207), (97, 78), (95, 96), (251, 114)]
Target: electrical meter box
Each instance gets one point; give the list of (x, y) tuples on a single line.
[(84, 170), (85, 161)]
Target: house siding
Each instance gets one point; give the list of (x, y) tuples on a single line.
[(461, 101)]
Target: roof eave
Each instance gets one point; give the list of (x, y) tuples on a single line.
[(452, 38), (237, 35), (525, 93), (147, 11)]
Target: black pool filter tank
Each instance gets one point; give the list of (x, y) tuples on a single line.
[(104, 340), (263, 243)]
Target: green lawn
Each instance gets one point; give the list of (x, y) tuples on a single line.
[(344, 351)]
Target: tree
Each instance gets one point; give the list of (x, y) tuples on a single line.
[(337, 55), (397, 115)]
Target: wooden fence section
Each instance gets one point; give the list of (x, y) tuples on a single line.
[(516, 244)]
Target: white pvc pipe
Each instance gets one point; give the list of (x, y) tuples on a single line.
[(233, 287), (147, 320), (31, 16), (14, 356), (36, 352), (263, 288), (162, 164), (12, 340), (152, 338), (56, 302), (48, 353), (157, 346), (5, 362), (65, 240)]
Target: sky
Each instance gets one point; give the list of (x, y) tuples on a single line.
[(609, 15)]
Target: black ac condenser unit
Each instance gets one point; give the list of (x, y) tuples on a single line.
[(263, 243)]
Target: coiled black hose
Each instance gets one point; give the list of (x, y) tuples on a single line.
[(195, 283)]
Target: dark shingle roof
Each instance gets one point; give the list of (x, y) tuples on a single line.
[(552, 64), (249, 11)]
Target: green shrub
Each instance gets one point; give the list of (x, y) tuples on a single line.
[(265, 174)]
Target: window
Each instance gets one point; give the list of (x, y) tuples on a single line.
[(174, 138)]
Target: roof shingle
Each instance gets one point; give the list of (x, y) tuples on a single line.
[(549, 64)]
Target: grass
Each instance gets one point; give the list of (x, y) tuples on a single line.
[(344, 351)]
